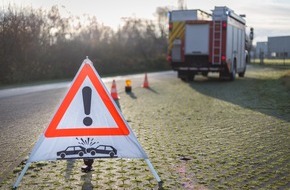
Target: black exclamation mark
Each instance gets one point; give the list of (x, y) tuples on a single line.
[(87, 96)]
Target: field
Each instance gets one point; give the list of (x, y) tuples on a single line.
[(277, 62), (208, 134)]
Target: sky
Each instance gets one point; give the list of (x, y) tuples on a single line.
[(267, 17)]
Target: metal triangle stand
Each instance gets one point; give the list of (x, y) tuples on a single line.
[(153, 171), (21, 175)]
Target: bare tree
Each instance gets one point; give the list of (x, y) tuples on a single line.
[(40, 45), (162, 18)]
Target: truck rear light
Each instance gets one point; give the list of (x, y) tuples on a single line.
[(169, 58), (223, 58), (224, 24), (170, 27)]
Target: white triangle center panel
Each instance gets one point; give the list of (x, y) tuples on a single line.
[(97, 111)]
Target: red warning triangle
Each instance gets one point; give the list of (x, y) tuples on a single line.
[(87, 72)]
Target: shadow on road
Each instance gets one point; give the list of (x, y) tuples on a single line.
[(152, 90), (87, 181), (69, 168), (267, 96), (132, 95), (118, 104)]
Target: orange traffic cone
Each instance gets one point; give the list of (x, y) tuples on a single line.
[(114, 93), (146, 83)]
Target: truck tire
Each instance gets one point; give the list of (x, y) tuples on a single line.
[(233, 73), (186, 75), (242, 74), (181, 75), (190, 76), (205, 73), (223, 75)]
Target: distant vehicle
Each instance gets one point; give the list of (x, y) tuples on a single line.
[(199, 43), (72, 150), (103, 149)]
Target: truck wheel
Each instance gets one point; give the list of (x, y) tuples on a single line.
[(205, 74), (223, 75), (186, 75), (242, 74), (233, 73), (181, 75), (190, 77)]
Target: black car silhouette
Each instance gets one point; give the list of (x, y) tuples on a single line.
[(103, 149), (72, 150)]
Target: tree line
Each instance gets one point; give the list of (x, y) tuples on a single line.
[(39, 44)]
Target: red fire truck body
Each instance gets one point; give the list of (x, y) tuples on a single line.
[(200, 43)]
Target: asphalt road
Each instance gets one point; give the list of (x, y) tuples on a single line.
[(25, 112)]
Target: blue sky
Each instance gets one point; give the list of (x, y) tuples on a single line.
[(267, 17)]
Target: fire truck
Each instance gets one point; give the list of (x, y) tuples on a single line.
[(200, 43)]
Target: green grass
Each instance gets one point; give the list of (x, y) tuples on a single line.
[(272, 61), (234, 134)]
